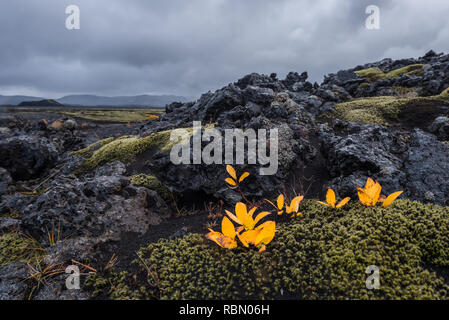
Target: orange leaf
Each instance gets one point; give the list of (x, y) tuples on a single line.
[(391, 198), (231, 181), (323, 203), (243, 176), (266, 234), (231, 171), (227, 228), (251, 212), (233, 217), (330, 197), (363, 197), (280, 201), (343, 202), (261, 216)]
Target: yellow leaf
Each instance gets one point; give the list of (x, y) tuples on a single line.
[(369, 183), (330, 197), (226, 242), (266, 234), (251, 212), (294, 205), (243, 176), (263, 225), (231, 171), (242, 214), (376, 193), (213, 235), (391, 198), (243, 239), (280, 201), (323, 203), (261, 216), (363, 197), (233, 217), (227, 228), (231, 181), (249, 237), (343, 202)]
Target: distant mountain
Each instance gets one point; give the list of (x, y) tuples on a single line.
[(40, 103), (15, 100), (156, 101)]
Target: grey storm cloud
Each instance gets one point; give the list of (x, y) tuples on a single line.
[(189, 47)]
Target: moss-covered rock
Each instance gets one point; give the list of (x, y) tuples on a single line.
[(374, 74), (89, 151), (407, 92), (364, 85), (153, 183), (371, 74), (380, 110), (413, 69), (323, 255), (15, 248), (126, 148)]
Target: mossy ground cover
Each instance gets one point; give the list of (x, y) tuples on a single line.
[(321, 255), (374, 74), (15, 247), (384, 109)]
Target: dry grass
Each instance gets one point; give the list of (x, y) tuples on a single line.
[(114, 115)]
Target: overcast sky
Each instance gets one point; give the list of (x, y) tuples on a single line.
[(187, 47)]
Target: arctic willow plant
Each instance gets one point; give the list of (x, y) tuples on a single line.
[(331, 200), (247, 231), (370, 195), (225, 238), (233, 181), (292, 209)]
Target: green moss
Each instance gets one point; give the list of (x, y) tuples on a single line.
[(323, 255), (15, 248), (374, 74), (364, 85), (89, 151), (126, 148), (371, 74), (118, 286), (413, 69), (151, 182), (403, 91), (379, 110)]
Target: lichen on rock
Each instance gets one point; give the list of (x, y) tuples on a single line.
[(151, 182), (15, 248)]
